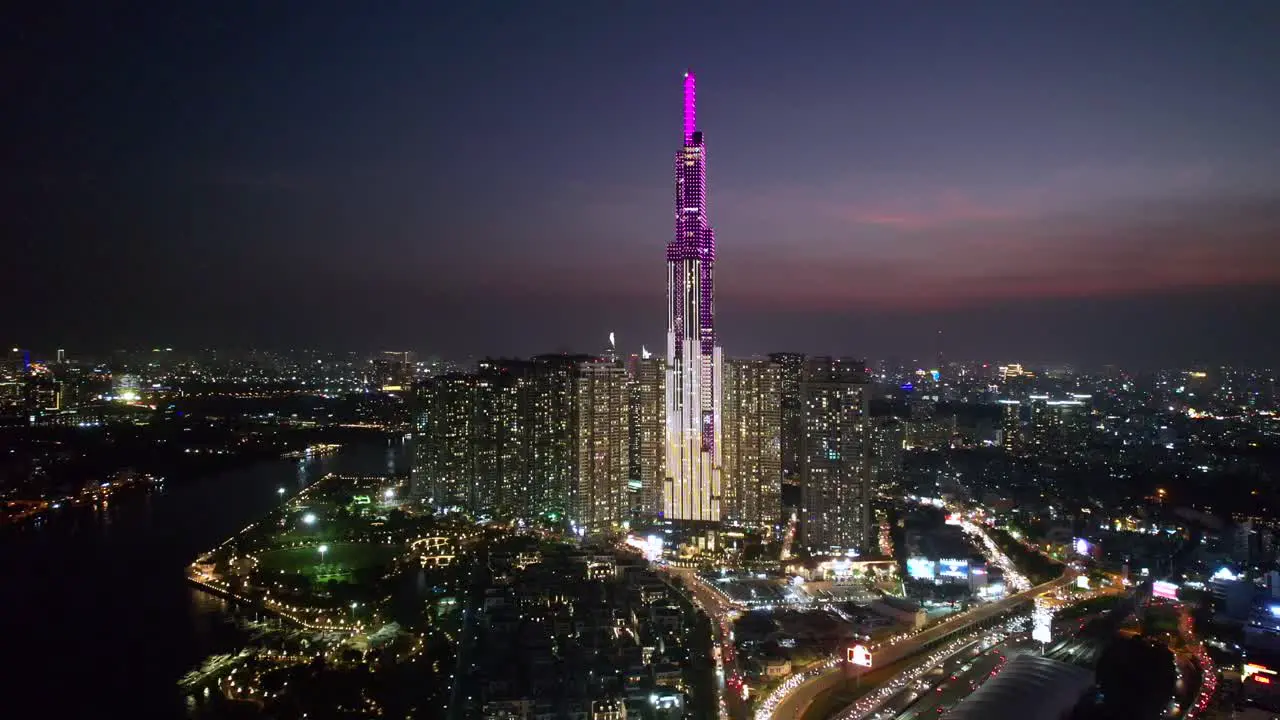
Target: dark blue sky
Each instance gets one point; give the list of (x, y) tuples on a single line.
[(1085, 181)]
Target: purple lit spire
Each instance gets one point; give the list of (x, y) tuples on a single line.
[(693, 393), (690, 114)]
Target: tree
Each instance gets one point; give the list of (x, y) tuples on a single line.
[(1136, 678)]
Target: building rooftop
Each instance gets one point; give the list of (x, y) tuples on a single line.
[(1031, 687)]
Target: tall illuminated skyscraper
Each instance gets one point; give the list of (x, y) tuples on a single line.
[(691, 492)]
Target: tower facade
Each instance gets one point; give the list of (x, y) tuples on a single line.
[(835, 459), (790, 366), (752, 477), (648, 430), (691, 491), (599, 501)]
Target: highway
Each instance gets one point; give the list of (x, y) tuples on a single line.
[(793, 705), (722, 614), (952, 681)]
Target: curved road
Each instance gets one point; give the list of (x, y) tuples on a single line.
[(798, 701)]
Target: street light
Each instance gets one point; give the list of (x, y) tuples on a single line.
[(389, 493), (309, 519), (280, 492), (323, 549)]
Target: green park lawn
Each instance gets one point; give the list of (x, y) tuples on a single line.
[(340, 559)]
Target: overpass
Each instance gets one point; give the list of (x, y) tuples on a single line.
[(792, 699)]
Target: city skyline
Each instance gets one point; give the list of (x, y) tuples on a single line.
[(1092, 195), (373, 362)]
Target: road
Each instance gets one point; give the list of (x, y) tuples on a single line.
[(795, 703), (722, 613), (956, 677), (472, 597)]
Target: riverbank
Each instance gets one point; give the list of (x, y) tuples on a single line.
[(97, 482), (99, 616)]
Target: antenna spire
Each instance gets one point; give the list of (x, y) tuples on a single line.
[(690, 119)]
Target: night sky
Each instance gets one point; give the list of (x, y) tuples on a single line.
[(1086, 181)]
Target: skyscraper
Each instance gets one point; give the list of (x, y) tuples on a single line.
[(599, 500), (552, 415), (835, 461), (444, 469), (499, 449), (692, 484), (752, 478), (501, 441), (790, 366), (647, 430)]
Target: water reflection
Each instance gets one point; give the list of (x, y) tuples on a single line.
[(95, 612)]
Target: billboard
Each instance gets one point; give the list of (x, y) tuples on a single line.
[(859, 655), (1082, 546), (1163, 589), (952, 568), (650, 547), (921, 568), (1259, 673), (1042, 625)]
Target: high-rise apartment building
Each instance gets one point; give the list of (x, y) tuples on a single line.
[(1058, 427), (647, 430), (499, 444), (599, 497), (501, 441), (752, 477), (835, 467), (444, 473), (1012, 433), (391, 370), (888, 438), (790, 365), (551, 416), (693, 387)]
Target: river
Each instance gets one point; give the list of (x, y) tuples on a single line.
[(96, 617)]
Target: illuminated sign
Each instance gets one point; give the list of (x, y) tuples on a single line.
[(859, 655), (1166, 590), (921, 568), (953, 568), (1082, 546), (954, 519), (650, 547), (1225, 574), (1042, 625), (1082, 582), (1259, 673)]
